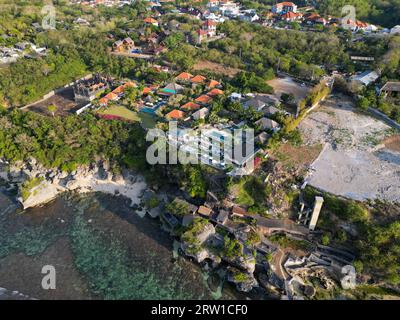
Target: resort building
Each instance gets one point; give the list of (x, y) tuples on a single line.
[(223, 149)]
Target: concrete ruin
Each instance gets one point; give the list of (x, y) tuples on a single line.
[(315, 213), (310, 217)]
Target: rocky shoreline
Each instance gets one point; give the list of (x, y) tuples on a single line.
[(49, 183)]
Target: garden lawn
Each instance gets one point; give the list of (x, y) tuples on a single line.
[(120, 112)]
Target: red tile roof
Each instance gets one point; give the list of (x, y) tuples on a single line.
[(239, 211), (175, 114), (209, 23), (361, 24), (146, 90), (204, 211), (198, 79), (204, 99), (150, 20), (190, 106), (103, 100), (118, 90), (290, 15), (130, 84), (111, 96), (202, 32), (184, 76), (313, 16), (213, 84), (285, 4), (215, 92)]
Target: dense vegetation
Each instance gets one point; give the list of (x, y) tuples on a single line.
[(381, 12), (377, 238), (68, 142), (72, 53)]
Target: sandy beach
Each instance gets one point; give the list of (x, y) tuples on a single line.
[(84, 180)]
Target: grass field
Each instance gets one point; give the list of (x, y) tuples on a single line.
[(121, 112)]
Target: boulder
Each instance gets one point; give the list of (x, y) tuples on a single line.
[(117, 178), (63, 175), (245, 283), (72, 184)]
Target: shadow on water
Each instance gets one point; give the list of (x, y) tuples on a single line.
[(146, 225)]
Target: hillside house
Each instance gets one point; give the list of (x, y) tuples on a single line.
[(271, 110), (204, 211), (190, 106), (225, 7), (202, 35), (124, 45), (151, 21), (175, 115), (200, 114), (365, 78), (311, 18), (268, 124), (355, 25), (211, 146), (215, 92), (204, 99), (214, 84), (184, 77), (249, 16), (284, 7), (192, 12), (262, 138), (390, 88), (259, 102), (291, 16), (222, 217), (199, 79), (239, 212), (81, 22), (171, 89), (395, 30)]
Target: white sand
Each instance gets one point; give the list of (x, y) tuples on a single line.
[(47, 191)]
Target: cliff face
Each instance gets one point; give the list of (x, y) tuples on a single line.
[(38, 185), (245, 282), (197, 250), (199, 245)]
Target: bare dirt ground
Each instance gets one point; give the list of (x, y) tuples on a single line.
[(64, 101), (393, 143), (288, 85), (299, 158), (216, 68), (354, 162)]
